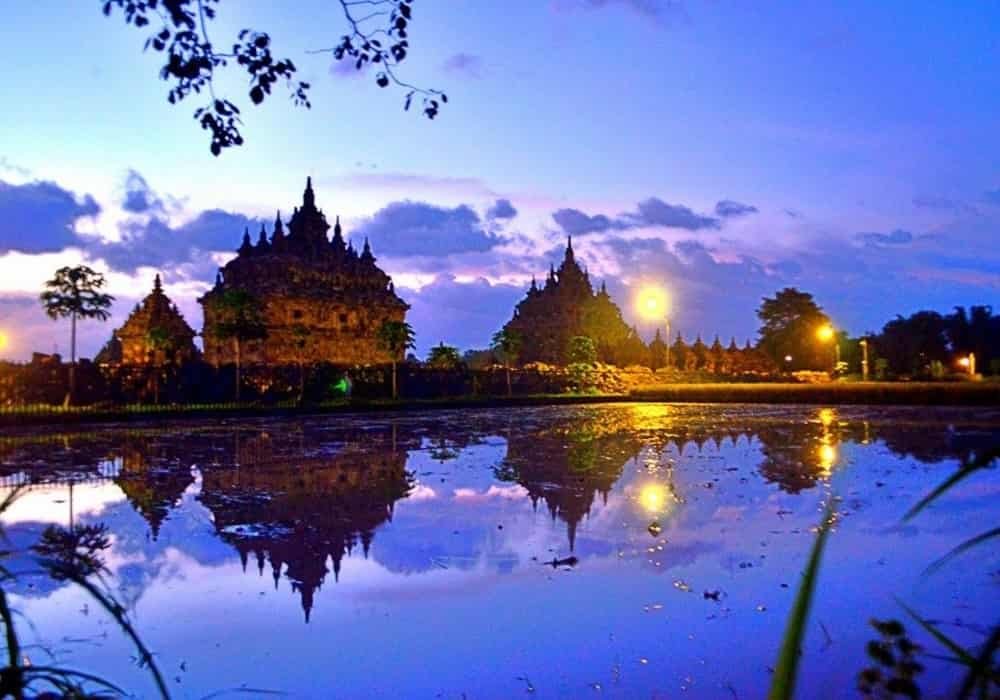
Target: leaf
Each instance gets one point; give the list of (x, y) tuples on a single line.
[(962, 548), (786, 670), (969, 467), (256, 95)]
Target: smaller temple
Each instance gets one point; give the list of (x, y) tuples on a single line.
[(154, 333)]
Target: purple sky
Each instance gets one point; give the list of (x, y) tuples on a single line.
[(717, 149)]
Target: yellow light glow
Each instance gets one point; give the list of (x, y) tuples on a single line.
[(4, 341), (825, 333), (653, 498), (827, 458), (651, 303), (963, 361), (827, 416)]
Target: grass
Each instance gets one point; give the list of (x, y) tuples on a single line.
[(981, 673)]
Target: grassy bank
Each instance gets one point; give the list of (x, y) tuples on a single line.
[(871, 393)]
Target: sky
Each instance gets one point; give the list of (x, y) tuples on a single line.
[(722, 150)]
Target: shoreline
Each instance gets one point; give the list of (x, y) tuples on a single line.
[(868, 394)]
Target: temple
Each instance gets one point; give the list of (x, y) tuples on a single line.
[(321, 300), (155, 333), (566, 306)]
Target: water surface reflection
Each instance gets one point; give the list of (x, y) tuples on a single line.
[(625, 549)]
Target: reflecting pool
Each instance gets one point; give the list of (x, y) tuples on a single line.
[(628, 550)]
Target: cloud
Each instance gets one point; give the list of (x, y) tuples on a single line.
[(657, 11), (460, 313), (651, 212), (6, 165), (656, 212), (409, 228), (40, 217), (929, 201), (576, 223), (501, 209), (727, 208), (155, 243), (465, 64), (896, 238), (139, 197)]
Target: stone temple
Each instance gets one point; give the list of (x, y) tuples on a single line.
[(321, 300), (154, 333), (567, 306)]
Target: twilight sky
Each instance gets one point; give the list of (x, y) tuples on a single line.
[(722, 149)]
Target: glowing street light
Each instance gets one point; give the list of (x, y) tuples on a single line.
[(968, 362), (826, 334), (653, 304)]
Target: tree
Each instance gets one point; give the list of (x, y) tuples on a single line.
[(240, 321), (75, 293), (179, 30), (910, 345), (395, 337), (301, 335), (507, 344), (659, 352), (581, 350), (975, 330), (162, 348), (789, 325), (444, 357)]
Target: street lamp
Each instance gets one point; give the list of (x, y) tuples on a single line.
[(826, 333), (969, 363), (864, 359), (652, 303)]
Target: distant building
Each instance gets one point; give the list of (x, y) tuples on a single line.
[(566, 306), (321, 300), (154, 333)]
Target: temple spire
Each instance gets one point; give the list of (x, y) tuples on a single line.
[(309, 197), (157, 287), (262, 244), (366, 253), (338, 236), (246, 246)]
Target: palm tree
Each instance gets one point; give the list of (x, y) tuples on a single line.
[(395, 337), (75, 292), (162, 347), (444, 357), (507, 343), (241, 321)]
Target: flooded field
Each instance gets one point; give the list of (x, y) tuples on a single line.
[(617, 550)]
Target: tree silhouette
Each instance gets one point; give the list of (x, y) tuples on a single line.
[(507, 343), (162, 348), (75, 293), (179, 31), (444, 357), (241, 321), (395, 337), (789, 323)]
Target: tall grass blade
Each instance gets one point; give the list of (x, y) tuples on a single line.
[(980, 671), (786, 671), (981, 461), (962, 548), (964, 657)]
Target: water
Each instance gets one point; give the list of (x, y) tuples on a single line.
[(603, 551)]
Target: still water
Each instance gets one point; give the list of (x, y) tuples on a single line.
[(614, 550)]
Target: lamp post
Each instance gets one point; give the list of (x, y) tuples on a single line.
[(864, 359), (826, 333), (969, 363), (652, 305)]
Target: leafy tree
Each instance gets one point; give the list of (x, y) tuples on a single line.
[(240, 321), (75, 293), (507, 344), (162, 348), (301, 337), (679, 353), (910, 345), (581, 350), (974, 330), (789, 324), (395, 337), (444, 357), (179, 31), (659, 352)]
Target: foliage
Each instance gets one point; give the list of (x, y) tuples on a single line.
[(72, 555), (507, 343), (395, 337), (179, 31), (581, 350), (76, 291), (241, 318), (786, 671), (444, 357), (910, 345), (789, 322), (895, 666)]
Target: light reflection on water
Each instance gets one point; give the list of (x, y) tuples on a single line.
[(429, 555)]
